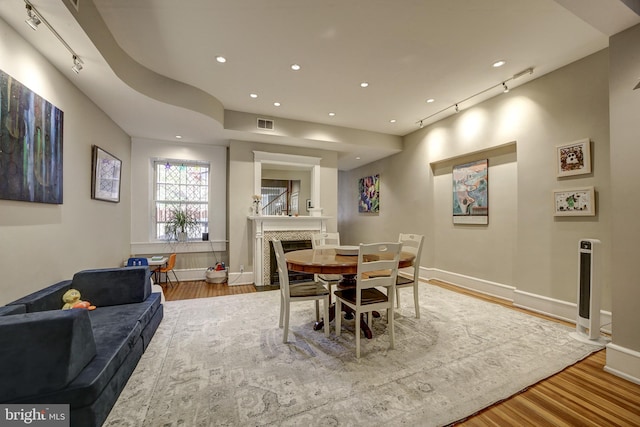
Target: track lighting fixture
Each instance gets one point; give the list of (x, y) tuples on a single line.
[(421, 125), (32, 19), (77, 65), (35, 18), (502, 84)]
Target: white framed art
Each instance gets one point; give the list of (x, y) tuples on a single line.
[(574, 202)]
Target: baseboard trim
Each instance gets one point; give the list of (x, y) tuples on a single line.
[(623, 362), (494, 289), (558, 309), (245, 278)]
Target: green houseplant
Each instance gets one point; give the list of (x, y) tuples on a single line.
[(180, 223)]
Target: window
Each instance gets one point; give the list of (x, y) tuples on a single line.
[(181, 186)]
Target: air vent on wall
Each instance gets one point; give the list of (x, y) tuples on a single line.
[(265, 124)]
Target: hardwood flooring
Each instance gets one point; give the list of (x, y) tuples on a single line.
[(202, 289), (581, 395)]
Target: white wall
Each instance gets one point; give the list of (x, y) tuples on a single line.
[(524, 247), (41, 244), (623, 356)]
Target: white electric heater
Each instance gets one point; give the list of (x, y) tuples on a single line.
[(589, 292)]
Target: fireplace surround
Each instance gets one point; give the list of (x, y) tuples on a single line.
[(285, 228)]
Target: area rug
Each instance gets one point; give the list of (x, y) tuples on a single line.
[(221, 362)]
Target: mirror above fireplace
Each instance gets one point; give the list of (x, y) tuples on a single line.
[(270, 161)]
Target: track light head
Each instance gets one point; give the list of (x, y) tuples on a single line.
[(421, 124), (77, 65), (32, 19), (506, 88), (457, 109)]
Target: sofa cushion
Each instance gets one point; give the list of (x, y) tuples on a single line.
[(117, 332), (49, 298), (113, 286), (43, 352), (8, 310)]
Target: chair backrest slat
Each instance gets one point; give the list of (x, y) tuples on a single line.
[(376, 257), (283, 271), (325, 240), (412, 243)]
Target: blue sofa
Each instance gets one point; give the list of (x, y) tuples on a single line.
[(78, 357)]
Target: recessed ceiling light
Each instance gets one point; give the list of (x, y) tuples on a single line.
[(332, 114), (221, 59), (392, 121), (499, 63), (358, 158), (295, 67), (277, 104), (253, 95), (178, 136), (430, 100), (364, 84)]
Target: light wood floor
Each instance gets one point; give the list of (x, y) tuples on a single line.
[(581, 395)]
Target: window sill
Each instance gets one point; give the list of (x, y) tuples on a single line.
[(178, 247)]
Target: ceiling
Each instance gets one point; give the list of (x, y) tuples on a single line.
[(407, 50)]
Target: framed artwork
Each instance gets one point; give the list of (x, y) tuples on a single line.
[(30, 145), (574, 202), (369, 194), (105, 177), (574, 158), (471, 193)]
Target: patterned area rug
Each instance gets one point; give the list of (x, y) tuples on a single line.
[(221, 362)]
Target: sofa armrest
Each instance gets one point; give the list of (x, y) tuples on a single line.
[(43, 352), (49, 298), (113, 286)]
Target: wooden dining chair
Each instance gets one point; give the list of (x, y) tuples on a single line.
[(326, 241), (411, 243), (306, 291), (365, 297)]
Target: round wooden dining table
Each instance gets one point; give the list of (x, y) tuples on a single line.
[(328, 261)]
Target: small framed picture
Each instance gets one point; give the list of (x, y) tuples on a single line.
[(105, 177), (574, 158), (574, 202)]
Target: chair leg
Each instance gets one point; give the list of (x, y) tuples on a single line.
[(398, 297), (317, 310), (174, 275), (358, 316), (285, 335), (415, 300), (281, 310), (392, 328), (338, 316), (325, 305)]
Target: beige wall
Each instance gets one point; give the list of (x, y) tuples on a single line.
[(524, 246), (625, 151), (41, 244), (241, 182)]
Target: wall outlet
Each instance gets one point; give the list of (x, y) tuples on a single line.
[(241, 268)]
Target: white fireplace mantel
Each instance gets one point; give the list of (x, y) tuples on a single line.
[(268, 227)]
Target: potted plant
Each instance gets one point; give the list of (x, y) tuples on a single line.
[(181, 222)]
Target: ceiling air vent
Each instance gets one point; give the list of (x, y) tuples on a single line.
[(265, 124)]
